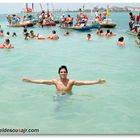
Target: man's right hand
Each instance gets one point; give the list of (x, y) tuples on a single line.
[(25, 80)]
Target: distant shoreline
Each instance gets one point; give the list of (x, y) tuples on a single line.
[(112, 10), (63, 12)]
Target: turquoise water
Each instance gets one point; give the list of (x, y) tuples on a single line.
[(112, 108)]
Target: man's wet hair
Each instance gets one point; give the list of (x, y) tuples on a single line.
[(7, 40), (25, 30), (67, 33), (108, 31), (89, 35), (1, 31), (130, 13), (80, 10), (8, 33), (121, 39), (54, 32), (62, 67)]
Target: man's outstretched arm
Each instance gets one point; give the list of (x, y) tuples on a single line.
[(48, 82), (80, 83)]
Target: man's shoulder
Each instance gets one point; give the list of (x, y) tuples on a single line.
[(71, 81), (55, 80)]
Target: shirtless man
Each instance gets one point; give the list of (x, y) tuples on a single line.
[(63, 85), (121, 42), (88, 37), (69, 21), (54, 36)]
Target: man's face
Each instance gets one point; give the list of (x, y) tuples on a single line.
[(63, 74)]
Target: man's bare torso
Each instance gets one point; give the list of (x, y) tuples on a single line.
[(64, 87)]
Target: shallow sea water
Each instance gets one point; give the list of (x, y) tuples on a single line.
[(111, 108)]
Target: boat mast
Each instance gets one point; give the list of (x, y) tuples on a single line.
[(33, 7), (107, 14), (47, 6), (83, 7), (41, 6), (26, 5), (26, 13)]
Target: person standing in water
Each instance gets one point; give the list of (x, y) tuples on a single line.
[(63, 85), (121, 42), (88, 37), (54, 36)]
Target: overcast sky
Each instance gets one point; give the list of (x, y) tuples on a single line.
[(7, 8)]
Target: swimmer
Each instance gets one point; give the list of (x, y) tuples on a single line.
[(1, 33), (32, 35), (63, 85), (66, 34), (7, 44), (25, 31), (98, 31), (101, 33), (107, 33), (27, 36), (111, 34), (54, 36), (88, 37), (121, 42), (14, 34), (7, 34), (40, 37)]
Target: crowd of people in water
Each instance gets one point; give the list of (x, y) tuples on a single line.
[(27, 35), (134, 23), (31, 35), (81, 19)]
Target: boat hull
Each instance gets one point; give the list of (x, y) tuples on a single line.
[(132, 33), (95, 26), (47, 24), (108, 25), (84, 28), (22, 25), (56, 21), (98, 25)]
